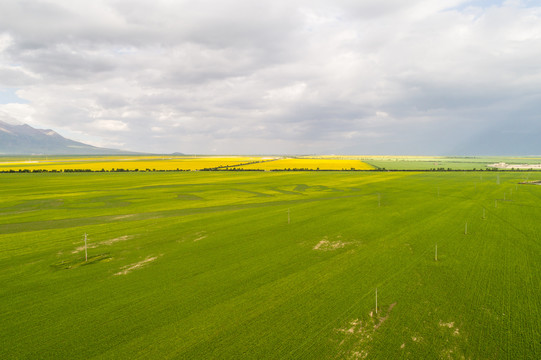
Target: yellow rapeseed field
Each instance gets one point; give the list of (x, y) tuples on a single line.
[(309, 164), (141, 163), (162, 163)]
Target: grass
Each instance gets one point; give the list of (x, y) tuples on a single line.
[(216, 271), (444, 162)]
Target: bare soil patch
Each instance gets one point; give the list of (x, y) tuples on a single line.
[(200, 236), (450, 325), (120, 217), (105, 242), (129, 268), (357, 336), (115, 240), (382, 319), (82, 248), (327, 245)]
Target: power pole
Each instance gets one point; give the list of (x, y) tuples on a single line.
[(86, 253), (376, 300)]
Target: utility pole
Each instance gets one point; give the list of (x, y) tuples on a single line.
[(376, 300), (86, 253)]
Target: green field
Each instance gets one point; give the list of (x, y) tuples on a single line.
[(445, 162), (204, 265)]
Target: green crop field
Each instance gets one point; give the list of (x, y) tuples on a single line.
[(262, 265), (446, 162)]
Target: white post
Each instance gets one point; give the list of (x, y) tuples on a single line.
[(86, 253), (376, 300)]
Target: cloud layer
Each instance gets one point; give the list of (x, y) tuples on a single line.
[(240, 76)]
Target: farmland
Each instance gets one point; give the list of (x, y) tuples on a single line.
[(259, 163), (270, 265), (437, 162), (172, 163), (130, 163), (308, 164)]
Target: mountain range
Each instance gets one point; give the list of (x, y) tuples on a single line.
[(26, 140)]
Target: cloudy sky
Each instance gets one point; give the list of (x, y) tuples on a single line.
[(277, 77)]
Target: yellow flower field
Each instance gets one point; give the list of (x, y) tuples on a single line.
[(141, 163), (163, 163), (309, 164)]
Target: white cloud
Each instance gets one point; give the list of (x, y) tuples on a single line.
[(5, 41), (17, 114), (251, 77), (110, 125)]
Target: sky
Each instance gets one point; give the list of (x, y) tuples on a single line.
[(404, 77)]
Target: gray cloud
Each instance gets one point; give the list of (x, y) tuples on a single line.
[(240, 76)]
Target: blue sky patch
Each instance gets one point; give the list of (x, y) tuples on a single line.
[(9, 96)]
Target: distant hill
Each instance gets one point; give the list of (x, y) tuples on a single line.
[(26, 140)]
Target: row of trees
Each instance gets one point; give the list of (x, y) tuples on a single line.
[(83, 170), (227, 168)]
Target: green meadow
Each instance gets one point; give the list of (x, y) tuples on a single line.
[(446, 162), (270, 265)]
